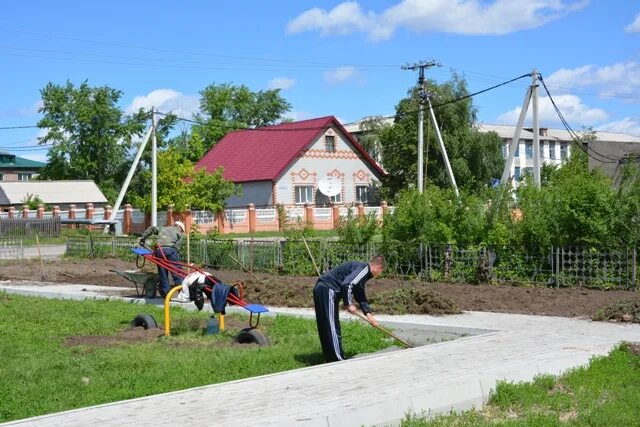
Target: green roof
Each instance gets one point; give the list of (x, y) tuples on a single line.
[(18, 162)]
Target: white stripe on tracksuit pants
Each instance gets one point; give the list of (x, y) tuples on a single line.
[(327, 320)]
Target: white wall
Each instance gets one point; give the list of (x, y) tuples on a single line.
[(345, 164)]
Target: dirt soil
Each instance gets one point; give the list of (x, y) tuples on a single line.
[(385, 295)]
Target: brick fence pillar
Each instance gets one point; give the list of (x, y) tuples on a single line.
[(126, 219), (360, 211), (40, 211), (55, 212), (88, 211), (72, 214), (220, 221), (170, 219), (335, 211), (25, 212), (107, 212), (308, 214), (11, 213), (252, 218)]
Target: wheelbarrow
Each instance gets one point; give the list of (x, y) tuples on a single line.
[(148, 281)]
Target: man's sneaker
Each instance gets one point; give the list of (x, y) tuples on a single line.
[(180, 298), (199, 303)]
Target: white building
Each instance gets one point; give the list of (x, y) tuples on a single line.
[(555, 146)]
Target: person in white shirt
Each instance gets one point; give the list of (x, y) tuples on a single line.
[(197, 278)]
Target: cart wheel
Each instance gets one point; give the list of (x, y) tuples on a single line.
[(251, 336), (145, 320)]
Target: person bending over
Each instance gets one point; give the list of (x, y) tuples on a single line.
[(347, 282)]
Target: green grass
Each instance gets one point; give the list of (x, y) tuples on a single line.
[(39, 374), (606, 393)]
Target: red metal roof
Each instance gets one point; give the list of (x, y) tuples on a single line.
[(262, 154)]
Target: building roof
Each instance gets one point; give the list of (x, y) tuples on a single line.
[(18, 162), (505, 131), (51, 192), (263, 154)]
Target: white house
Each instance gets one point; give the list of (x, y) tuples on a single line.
[(287, 164), (54, 193)]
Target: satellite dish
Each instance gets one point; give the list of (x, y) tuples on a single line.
[(329, 186)]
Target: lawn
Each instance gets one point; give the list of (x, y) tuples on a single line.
[(40, 373), (605, 393)]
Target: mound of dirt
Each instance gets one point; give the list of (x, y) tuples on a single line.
[(413, 301), (296, 291), (621, 311)]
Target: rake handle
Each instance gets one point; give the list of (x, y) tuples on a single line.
[(380, 328)]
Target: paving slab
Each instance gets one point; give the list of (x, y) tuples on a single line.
[(371, 390)]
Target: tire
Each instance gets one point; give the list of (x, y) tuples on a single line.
[(252, 336), (145, 320)]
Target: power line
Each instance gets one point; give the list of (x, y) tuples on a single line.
[(182, 52), (18, 127), (575, 137)]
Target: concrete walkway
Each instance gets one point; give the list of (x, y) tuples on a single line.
[(377, 389)]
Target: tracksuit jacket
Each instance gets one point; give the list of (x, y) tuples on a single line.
[(348, 280)]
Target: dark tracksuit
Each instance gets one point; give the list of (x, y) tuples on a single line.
[(345, 281)]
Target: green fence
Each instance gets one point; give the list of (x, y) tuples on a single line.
[(551, 266)]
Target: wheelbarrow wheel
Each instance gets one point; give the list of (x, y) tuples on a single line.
[(252, 336), (145, 320)]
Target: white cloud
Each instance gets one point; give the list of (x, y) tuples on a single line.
[(634, 27), (626, 125), (166, 100), (619, 79), (343, 19), (341, 75), (281, 83), (450, 16), (571, 107)]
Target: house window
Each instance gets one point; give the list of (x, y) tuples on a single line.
[(336, 199), (563, 150), (504, 150), (528, 171), (1, 177), (304, 194), (330, 143), (516, 173), (528, 150), (552, 150), (362, 193), (24, 176), (517, 148)]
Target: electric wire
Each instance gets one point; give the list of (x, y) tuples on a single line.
[(576, 139)]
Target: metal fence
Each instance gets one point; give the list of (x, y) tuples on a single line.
[(11, 249), (550, 266), (27, 227)]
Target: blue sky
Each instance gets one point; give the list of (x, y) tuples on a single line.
[(328, 57)]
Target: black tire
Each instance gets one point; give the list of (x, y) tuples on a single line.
[(252, 336), (145, 320)]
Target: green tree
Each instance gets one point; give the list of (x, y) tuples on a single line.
[(576, 207), (475, 156), (226, 107), (180, 185), (210, 190), (90, 136)]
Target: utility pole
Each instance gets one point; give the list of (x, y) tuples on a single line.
[(154, 170), (530, 97), (536, 128), (421, 67)]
